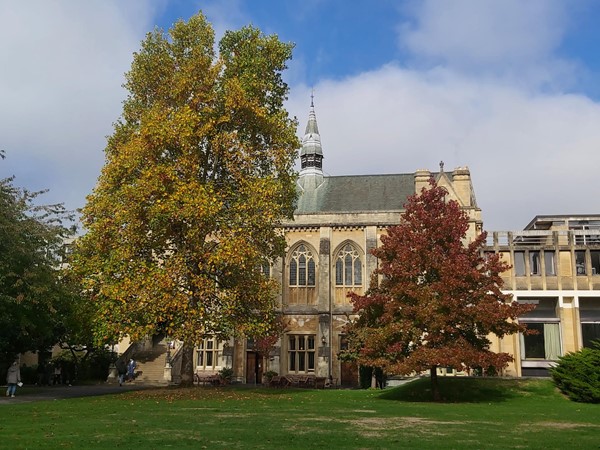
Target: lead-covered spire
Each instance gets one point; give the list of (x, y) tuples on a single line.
[(311, 154)]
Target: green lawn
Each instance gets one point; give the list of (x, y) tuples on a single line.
[(479, 413)]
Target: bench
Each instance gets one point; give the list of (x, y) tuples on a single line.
[(211, 378), (303, 381), (279, 381)]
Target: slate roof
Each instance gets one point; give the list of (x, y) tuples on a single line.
[(359, 193)]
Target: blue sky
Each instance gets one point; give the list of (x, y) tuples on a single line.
[(506, 87)]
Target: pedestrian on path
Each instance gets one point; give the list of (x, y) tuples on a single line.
[(131, 369), (13, 377), (57, 373), (121, 370)]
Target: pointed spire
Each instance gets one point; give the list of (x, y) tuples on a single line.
[(311, 154)]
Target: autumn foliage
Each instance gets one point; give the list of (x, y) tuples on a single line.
[(198, 174), (435, 298)]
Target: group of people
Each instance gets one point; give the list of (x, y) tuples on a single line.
[(46, 374), (125, 370), (51, 373)]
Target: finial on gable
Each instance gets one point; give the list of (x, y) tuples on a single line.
[(441, 166)]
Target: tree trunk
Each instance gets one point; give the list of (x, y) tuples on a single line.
[(187, 364), (435, 389)]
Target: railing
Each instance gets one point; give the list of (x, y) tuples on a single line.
[(542, 238)]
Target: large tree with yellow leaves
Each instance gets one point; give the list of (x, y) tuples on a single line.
[(199, 172)]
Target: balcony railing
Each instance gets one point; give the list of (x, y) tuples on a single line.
[(542, 238)]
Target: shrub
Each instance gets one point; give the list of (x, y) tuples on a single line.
[(365, 374), (269, 374), (91, 367), (226, 374), (577, 375), (28, 374)]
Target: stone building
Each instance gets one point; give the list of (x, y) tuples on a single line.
[(555, 264), (337, 222)]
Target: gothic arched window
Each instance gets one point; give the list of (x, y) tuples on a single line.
[(302, 267), (348, 267)]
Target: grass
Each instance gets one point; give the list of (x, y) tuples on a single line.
[(478, 413)]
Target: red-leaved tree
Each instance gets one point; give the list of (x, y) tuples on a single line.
[(434, 299)]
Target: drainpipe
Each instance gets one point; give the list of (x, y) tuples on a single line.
[(330, 374)]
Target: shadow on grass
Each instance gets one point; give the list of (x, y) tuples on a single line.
[(468, 390)]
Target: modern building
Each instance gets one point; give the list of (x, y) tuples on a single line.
[(556, 266)]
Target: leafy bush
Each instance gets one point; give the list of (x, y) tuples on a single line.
[(226, 374), (365, 374), (269, 374), (28, 374), (577, 375), (91, 367)]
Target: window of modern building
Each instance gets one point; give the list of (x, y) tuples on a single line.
[(301, 353), (208, 354), (519, 264), (589, 314), (580, 262), (595, 259), (302, 267), (549, 263), (544, 343), (348, 267), (534, 263)]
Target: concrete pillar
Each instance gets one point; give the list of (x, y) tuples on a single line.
[(569, 325)]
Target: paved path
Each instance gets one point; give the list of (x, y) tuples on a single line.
[(35, 394)]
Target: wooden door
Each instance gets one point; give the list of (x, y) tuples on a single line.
[(254, 369)]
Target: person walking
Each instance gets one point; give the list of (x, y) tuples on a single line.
[(13, 377), (57, 373), (121, 370), (131, 369)]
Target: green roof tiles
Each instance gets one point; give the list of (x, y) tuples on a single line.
[(360, 193)]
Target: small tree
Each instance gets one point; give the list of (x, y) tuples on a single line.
[(434, 300), (577, 374)]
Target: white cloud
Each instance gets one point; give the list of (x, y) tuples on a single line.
[(528, 153), (484, 89), (61, 67), (485, 35), (531, 150), (224, 15)]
